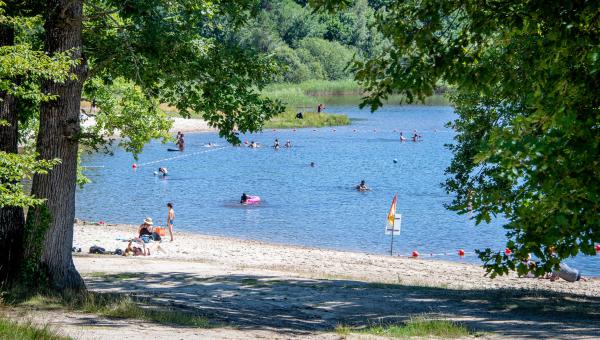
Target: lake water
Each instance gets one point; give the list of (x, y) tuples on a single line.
[(303, 205)]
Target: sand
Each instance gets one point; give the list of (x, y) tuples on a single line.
[(185, 125), (318, 263), (251, 289)]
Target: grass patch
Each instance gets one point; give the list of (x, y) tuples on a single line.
[(288, 120), (415, 327), (114, 277), (13, 330), (116, 306)]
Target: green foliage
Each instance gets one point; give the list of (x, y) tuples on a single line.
[(15, 168), (310, 45), (333, 56), (26, 331), (124, 109), (288, 120), (526, 78)]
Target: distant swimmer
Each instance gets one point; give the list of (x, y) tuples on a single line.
[(288, 144), (276, 145), (181, 142), (253, 145), (402, 138), (210, 145), (312, 164), (416, 137), (362, 186), (249, 199), (244, 198), (163, 171)]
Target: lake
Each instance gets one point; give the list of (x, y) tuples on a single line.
[(303, 205)]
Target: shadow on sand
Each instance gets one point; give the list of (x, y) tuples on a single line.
[(302, 306)]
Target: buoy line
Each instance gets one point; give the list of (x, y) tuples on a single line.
[(180, 156)]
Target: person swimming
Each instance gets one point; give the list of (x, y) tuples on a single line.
[(402, 138), (253, 145), (244, 198), (163, 171), (288, 144), (312, 164), (276, 145), (362, 186)]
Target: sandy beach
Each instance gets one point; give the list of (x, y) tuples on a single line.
[(179, 124), (251, 289)]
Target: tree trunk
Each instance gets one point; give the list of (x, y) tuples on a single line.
[(58, 138), (12, 219)]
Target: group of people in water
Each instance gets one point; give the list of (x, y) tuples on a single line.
[(276, 144), (415, 137)]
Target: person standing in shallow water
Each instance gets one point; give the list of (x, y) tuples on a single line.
[(170, 219)]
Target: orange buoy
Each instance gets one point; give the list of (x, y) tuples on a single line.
[(134, 166), (507, 251), (415, 253), (598, 247), (461, 252)]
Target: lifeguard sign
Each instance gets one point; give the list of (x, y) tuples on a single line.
[(392, 225)]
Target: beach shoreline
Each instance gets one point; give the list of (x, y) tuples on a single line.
[(316, 262)]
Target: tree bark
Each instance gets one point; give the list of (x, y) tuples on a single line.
[(58, 138), (12, 219)]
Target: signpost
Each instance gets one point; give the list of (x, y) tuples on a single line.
[(393, 223)]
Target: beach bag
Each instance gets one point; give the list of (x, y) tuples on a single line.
[(160, 231), (97, 250)]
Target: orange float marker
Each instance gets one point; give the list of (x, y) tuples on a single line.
[(415, 253), (461, 252), (134, 166)]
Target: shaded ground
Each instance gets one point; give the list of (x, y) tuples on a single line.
[(266, 300)]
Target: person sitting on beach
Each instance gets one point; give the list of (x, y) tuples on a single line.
[(288, 144), (134, 251), (276, 145), (244, 198), (362, 186), (145, 229), (566, 273)]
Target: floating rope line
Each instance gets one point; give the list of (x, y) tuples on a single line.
[(181, 156)]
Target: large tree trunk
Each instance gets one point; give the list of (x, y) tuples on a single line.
[(11, 218), (58, 138)]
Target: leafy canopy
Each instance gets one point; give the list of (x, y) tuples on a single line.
[(526, 75)]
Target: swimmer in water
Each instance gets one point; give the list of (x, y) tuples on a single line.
[(362, 186), (312, 164), (276, 145), (253, 145), (163, 171), (402, 138), (288, 144), (244, 198)]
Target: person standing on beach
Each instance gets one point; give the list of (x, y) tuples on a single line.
[(170, 219), (320, 108)]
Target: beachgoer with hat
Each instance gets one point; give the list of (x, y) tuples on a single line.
[(145, 228)]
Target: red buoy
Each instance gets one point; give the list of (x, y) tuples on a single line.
[(598, 247), (134, 166), (461, 252), (415, 253), (507, 251)]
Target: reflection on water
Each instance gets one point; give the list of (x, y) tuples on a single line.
[(313, 206)]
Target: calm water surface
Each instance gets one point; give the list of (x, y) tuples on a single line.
[(303, 205)]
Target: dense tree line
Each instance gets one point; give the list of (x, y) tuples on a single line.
[(313, 45)]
